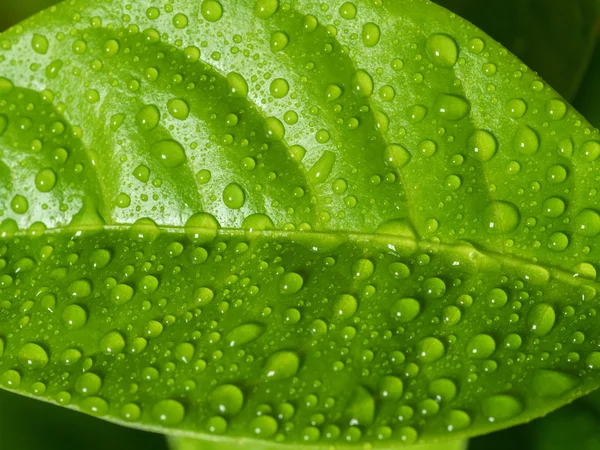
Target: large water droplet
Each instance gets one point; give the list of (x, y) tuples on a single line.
[(244, 334), (169, 153), (482, 145), (526, 140), (442, 50), (430, 350), (452, 107), (502, 217), (541, 318), (499, 408), (282, 365), (226, 399), (33, 356), (168, 412)]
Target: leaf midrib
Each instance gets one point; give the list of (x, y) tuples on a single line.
[(390, 241)]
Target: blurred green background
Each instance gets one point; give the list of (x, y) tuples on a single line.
[(555, 37)]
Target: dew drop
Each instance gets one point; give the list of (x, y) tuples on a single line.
[(405, 310), (587, 223), (33, 356), (74, 317), (370, 34), (452, 107), (282, 365), (541, 318), (201, 228), (178, 108), (502, 217), (482, 145), (526, 141), (321, 169), (430, 350), (481, 346), (290, 283), (499, 408), (442, 50), (361, 409), (552, 384), (345, 306), (362, 83), (88, 384), (45, 180), (237, 84), (168, 412), (226, 399), (244, 334), (211, 10), (266, 8), (169, 153), (233, 196), (39, 44), (112, 343)]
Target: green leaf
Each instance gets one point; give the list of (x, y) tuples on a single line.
[(179, 443), (26, 424), (554, 37), (291, 223)]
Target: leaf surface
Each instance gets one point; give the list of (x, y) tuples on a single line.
[(302, 224)]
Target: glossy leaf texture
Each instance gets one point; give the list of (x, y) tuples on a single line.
[(322, 225), (554, 37)]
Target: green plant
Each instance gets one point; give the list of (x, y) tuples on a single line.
[(272, 224)]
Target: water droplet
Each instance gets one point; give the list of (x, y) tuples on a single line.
[(362, 83), (39, 44), (502, 217), (516, 108), (131, 412), (551, 383), (282, 365), (320, 171), (427, 148), (430, 350), (203, 296), (264, 427), (526, 140), (482, 145), (88, 384), (237, 84), (274, 129), (79, 289), (202, 228), (347, 11), (391, 388), (19, 204), (541, 318), (168, 412), (370, 34), (345, 306), (211, 10), (496, 298), (363, 269), (587, 223), (590, 151), (112, 342), (111, 47), (178, 108), (243, 334), (499, 408), (396, 156), (405, 310), (452, 107), (442, 50), (290, 283), (556, 109), (555, 207), (226, 399), (266, 8), (184, 352), (74, 317), (558, 241), (361, 408), (233, 196), (121, 294), (434, 288), (279, 88), (481, 346), (169, 153), (442, 389), (45, 180), (33, 356), (557, 174)]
